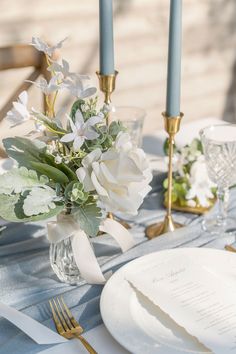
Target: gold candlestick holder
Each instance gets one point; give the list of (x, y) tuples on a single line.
[(172, 125), (107, 84)]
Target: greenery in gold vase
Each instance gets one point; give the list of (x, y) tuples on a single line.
[(191, 184)]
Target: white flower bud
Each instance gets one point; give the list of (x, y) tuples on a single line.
[(107, 108), (58, 159), (191, 203), (101, 115)]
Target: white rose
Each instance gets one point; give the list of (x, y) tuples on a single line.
[(120, 176), (200, 183)]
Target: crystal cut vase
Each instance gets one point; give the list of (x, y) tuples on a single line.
[(62, 258), (63, 262)]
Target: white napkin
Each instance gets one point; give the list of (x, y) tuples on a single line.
[(196, 298), (98, 337), (35, 330)]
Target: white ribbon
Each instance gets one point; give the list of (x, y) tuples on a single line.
[(122, 236), (85, 259)]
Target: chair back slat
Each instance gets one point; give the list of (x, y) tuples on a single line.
[(23, 87), (20, 56), (23, 56)]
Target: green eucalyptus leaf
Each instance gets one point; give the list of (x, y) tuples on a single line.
[(89, 217), (69, 187), (115, 128), (49, 159), (11, 209), (39, 201), (74, 192), (76, 105), (51, 124), (19, 179), (51, 172), (24, 150)]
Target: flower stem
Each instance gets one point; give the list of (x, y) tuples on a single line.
[(53, 103)]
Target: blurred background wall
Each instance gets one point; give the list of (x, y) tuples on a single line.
[(141, 36)]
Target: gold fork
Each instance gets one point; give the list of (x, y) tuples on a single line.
[(66, 324), (230, 248)]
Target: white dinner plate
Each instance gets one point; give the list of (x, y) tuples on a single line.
[(140, 326)]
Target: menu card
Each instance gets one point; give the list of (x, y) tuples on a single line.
[(195, 298)]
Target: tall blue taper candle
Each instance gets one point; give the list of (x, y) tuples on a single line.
[(106, 37), (174, 59)]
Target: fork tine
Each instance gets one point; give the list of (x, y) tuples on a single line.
[(63, 322), (71, 317), (57, 322), (64, 314)]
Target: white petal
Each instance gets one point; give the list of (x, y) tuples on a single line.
[(66, 66), (84, 177), (23, 98), (191, 203), (127, 170), (93, 120), (79, 117), (191, 193), (91, 135), (72, 125), (54, 80), (59, 44), (78, 142), (56, 67), (107, 173), (68, 137), (123, 141), (14, 117), (39, 44), (100, 190), (122, 203), (91, 157), (88, 92), (22, 110)]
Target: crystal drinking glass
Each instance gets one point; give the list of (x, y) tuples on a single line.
[(132, 118), (219, 146)]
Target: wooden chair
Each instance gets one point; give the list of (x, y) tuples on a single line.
[(22, 56)]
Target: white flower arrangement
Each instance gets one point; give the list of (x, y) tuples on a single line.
[(191, 184), (77, 162), (120, 176)]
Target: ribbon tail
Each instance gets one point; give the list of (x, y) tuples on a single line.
[(122, 236), (86, 260)]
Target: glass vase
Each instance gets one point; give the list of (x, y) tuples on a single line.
[(61, 255), (63, 262)]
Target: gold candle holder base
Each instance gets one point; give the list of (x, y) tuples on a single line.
[(172, 126), (107, 84), (160, 228)]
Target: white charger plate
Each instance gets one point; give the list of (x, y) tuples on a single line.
[(140, 326)]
